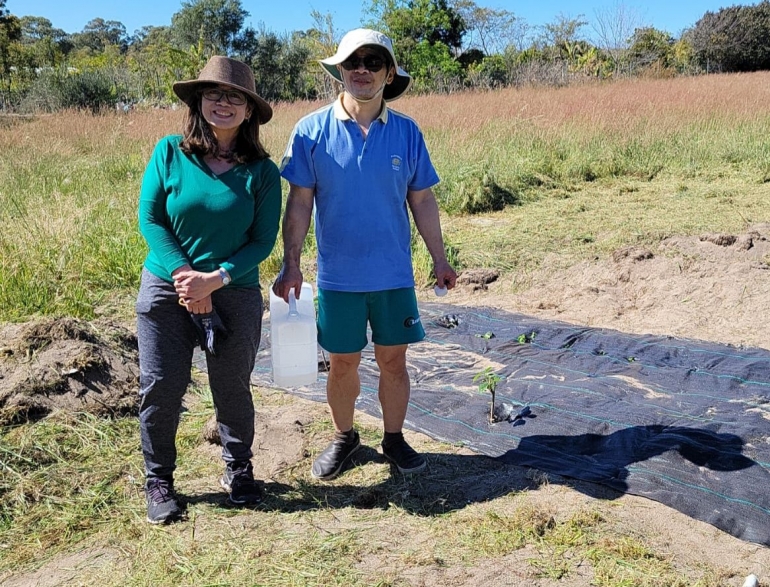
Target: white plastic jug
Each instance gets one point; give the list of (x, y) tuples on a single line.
[(293, 339)]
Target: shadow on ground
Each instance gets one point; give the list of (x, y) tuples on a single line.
[(450, 482)]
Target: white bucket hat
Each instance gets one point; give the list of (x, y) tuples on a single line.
[(358, 38)]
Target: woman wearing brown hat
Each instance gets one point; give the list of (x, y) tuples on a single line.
[(209, 208)]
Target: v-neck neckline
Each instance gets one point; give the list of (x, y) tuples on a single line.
[(206, 167)]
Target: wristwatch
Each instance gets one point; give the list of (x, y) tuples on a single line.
[(225, 276)]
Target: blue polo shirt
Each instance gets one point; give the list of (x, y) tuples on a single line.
[(362, 225)]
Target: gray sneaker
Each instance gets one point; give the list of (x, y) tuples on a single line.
[(238, 480), (162, 501), (335, 456)]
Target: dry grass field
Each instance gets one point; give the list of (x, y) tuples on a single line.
[(590, 172)]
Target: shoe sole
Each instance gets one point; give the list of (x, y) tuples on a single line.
[(226, 486), (406, 471), (338, 470), (167, 520)]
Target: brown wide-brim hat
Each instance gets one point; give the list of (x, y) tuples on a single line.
[(227, 72)]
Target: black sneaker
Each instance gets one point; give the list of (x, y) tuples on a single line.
[(162, 501), (334, 457), (238, 480), (403, 456)]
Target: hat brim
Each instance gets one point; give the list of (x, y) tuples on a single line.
[(187, 92), (402, 81)]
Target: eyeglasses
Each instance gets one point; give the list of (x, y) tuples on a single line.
[(233, 97), (370, 63)]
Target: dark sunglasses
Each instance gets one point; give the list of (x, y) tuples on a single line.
[(371, 63), (215, 94)]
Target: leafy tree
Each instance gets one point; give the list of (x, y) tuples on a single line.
[(491, 72), (426, 34), (418, 20), (563, 29), (683, 56), (594, 63), (449, 27), (614, 27), (428, 58), (42, 45), (157, 65), (318, 42), (651, 46), (733, 39), (471, 57), (10, 32), (150, 36), (489, 30), (99, 34), (217, 23), (279, 64), (37, 28), (559, 39)]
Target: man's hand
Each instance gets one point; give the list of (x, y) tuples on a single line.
[(288, 277), (445, 275)]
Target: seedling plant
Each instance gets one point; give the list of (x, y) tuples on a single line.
[(488, 380)]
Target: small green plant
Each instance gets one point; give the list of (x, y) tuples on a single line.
[(527, 337), (488, 380), (486, 335)]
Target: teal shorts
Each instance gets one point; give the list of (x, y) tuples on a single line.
[(343, 317)]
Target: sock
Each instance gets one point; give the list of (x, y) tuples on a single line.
[(391, 438)]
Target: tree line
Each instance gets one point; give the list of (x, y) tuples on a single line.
[(446, 45)]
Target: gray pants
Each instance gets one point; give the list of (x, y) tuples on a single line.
[(167, 340)]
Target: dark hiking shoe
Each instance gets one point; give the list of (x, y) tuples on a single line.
[(162, 501), (403, 456), (333, 459), (238, 480)]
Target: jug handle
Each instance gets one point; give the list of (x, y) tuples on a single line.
[(292, 303)]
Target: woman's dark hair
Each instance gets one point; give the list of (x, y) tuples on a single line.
[(197, 137)]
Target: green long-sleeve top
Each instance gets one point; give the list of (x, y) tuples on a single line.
[(188, 214)]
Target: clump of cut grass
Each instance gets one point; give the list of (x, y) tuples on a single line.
[(62, 480), (473, 190), (496, 535)]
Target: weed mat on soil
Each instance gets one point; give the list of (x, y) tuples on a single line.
[(682, 422)]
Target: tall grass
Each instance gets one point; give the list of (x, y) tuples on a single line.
[(574, 170)]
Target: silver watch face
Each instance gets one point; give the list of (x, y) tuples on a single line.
[(225, 278)]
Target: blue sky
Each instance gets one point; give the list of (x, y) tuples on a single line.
[(72, 15)]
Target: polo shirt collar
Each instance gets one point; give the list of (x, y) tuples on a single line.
[(341, 114)]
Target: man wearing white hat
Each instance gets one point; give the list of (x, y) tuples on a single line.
[(363, 167)]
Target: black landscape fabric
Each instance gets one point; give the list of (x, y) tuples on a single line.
[(682, 422)]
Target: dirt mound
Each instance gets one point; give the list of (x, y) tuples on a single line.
[(711, 287), (64, 363)]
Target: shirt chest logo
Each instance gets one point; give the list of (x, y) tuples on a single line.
[(395, 162)]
